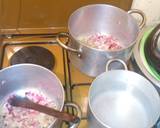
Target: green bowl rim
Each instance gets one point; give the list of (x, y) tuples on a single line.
[(149, 68)]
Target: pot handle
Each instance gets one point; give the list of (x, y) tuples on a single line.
[(79, 114), (63, 43), (116, 60), (143, 22)]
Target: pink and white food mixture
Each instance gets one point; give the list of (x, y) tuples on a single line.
[(101, 41), (16, 117)]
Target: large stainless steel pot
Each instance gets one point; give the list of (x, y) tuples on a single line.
[(122, 99), (20, 78), (100, 18)]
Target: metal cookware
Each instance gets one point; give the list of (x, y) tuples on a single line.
[(100, 18), (122, 99), (152, 48), (21, 78), (140, 58)]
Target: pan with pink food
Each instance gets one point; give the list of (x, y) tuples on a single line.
[(40, 86)]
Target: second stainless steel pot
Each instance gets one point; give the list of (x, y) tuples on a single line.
[(122, 99), (100, 18)]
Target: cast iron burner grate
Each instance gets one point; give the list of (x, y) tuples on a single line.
[(34, 55)]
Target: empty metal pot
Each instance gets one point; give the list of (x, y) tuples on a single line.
[(20, 78), (122, 99), (100, 18)]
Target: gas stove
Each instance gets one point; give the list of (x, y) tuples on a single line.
[(44, 50)]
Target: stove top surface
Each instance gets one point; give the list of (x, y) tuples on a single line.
[(76, 84)]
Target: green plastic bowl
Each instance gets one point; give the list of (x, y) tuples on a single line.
[(149, 68)]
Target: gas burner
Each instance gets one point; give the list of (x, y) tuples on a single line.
[(34, 55)]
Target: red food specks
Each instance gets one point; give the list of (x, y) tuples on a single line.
[(101, 41), (26, 118)]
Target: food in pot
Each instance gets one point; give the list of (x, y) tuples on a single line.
[(101, 41), (17, 117)]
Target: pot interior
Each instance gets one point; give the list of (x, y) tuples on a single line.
[(33, 81), (127, 101), (103, 19)]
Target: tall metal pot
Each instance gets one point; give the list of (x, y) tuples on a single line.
[(100, 18)]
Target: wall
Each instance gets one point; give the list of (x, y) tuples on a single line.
[(150, 7), (23, 15)]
